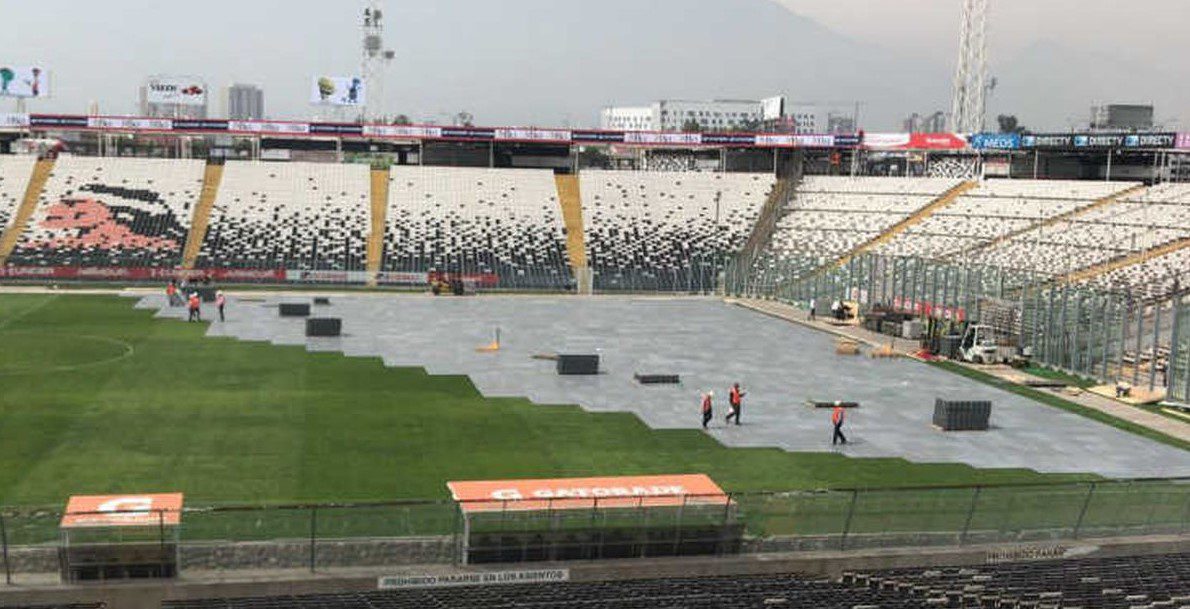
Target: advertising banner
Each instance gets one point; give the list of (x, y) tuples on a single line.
[(886, 140), (24, 81), (336, 129), (130, 124), (12, 120), (266, 127), (1151, 140), (533, 135), (479, 578), (468, 133), (326, 276), (139, 273), (654, 137), (180, 90), (1183, 140), (585, 493), (144, 510), (402, 278), (1047, 140), (937, 141), (996, 141), (406, 131), (729, 139), (199, 125), (595, 137), (338, 91), (814, 141), (1097, 140)]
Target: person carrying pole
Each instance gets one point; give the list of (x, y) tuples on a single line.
[(838, 416)]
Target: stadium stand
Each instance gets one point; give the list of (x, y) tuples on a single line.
[(832, 216), (112, 212), (1132, 224), (1151, 278), (1132, 582), (15, 172), (996, 209), (501, 222), (309, 216), (664, 230), (1145, 582)]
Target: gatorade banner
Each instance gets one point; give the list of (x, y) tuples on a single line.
[(143, 510), (587, 493)]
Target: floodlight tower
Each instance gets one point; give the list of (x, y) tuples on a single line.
[(969, 104), (375, 58)]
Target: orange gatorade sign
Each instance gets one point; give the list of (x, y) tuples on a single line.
[(123, 510), (586, 493)]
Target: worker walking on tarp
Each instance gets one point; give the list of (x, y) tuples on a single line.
[(219, 302), (838, 416), (707, 410), (735, 400), (195, 312)]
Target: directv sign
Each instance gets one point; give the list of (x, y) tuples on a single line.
[(1151, 140), (996, 141), (1063, 140)]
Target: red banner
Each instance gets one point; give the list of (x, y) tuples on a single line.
[(107, 273)]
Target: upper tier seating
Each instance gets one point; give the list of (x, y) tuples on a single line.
[(112, 212), (502, 222), (996, 209), (308, 216), (15, 172), (667, 231), (831, 216), (1135, 223), (1148, 582)]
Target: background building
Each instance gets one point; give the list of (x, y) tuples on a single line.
[(1122, 117), (244, 102), (672, 114)]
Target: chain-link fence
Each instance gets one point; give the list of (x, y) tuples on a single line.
[(327, 537)]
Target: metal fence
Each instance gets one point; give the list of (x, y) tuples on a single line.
[(1081, 329), (327, 537)]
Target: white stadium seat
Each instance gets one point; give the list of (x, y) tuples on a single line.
[(306, 216), (501, 222), (666, 230)]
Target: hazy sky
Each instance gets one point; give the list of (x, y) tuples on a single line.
[(556, 62)]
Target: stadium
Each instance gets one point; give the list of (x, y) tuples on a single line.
[(348, 362)]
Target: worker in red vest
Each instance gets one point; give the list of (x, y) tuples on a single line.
[(195, 310), (838, 416), (735, 399), (171, 293), (707, 412)]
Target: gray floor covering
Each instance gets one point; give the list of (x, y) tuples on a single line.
[(710, 344)]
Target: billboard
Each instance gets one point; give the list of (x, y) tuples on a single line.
[(337, 91), (24, 81), (180, 90)]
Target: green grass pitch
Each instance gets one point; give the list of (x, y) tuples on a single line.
[(97, 397)]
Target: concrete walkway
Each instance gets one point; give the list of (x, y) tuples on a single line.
[(1117, 409)]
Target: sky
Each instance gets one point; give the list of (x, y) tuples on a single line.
[(556, 63)]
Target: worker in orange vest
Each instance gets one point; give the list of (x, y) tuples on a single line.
[(195, 310), (171, 293), (707, 412), (735, 399), (838, 416)]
